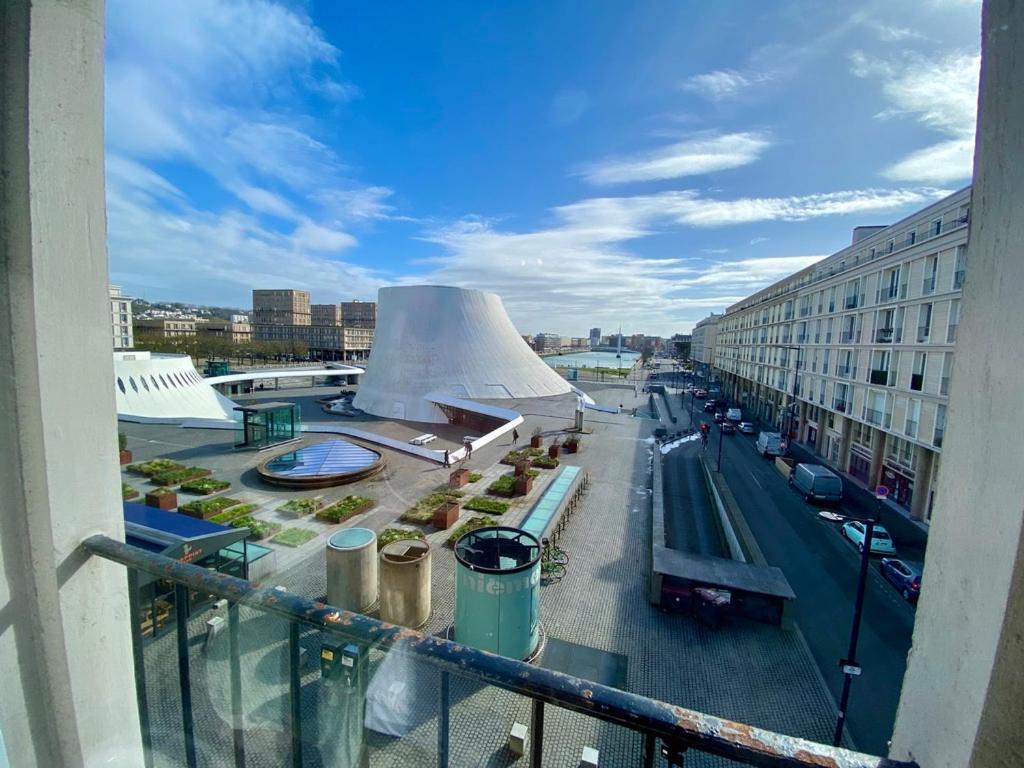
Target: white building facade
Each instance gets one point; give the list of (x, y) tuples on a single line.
[(121, 319), (853, 355), (702, 340)]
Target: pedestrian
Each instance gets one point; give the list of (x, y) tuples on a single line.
[(515, 437), (469, 451), (447, 463)]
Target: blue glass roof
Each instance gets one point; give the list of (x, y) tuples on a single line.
[(542, 512), (331, 457), (170, 522)]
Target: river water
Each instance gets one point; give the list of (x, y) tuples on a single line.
[(593, 360)]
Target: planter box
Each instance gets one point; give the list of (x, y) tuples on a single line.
[(572, 447), (446, 515), (536, 441), (126, 457), (164, 501), (524, 484), (521, 467), (553, 450), (458, 478)]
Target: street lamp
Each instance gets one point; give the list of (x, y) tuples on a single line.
[(721, 435), (849, 665)]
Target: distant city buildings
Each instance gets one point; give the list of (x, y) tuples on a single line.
[(166, 327), (121, 319), (702, 340), (330, 331), (853, 355), (236, 329), (595, 337)]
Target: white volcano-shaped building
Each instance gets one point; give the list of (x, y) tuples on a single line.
[(438, 340)]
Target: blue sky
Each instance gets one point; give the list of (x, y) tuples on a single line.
[(594, 163)]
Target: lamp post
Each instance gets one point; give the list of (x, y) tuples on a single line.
[(721, 435), (849, 665)]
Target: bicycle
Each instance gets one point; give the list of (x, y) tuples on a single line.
[(552, 553)]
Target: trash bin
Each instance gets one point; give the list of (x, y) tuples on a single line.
[(711, 605)]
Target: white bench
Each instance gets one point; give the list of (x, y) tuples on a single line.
[(589, 758), (423, 439), (519, 739)]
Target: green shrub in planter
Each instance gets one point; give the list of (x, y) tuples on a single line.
[(483, 504), (545, 462), (155, 467), (179, 476), (258, 529), (127, 492), (346, 508), (205, 485), (233, 513), (122, 441), (204, 509), (470, 525), (506, 484), (474, 476), (300, 507), (389, 535), (512, 457), (422, 513), (294, 537)]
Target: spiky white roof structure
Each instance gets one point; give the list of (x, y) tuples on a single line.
[(433, 339), (153, 386)]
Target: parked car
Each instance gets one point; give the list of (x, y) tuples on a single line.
[(747, 427), (734, 415), (727, 427), (817, 483), (709, 406), (906, 577), (700, 394), (881, 541), (769, 444)]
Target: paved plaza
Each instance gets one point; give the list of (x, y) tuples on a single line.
[(745, 671)]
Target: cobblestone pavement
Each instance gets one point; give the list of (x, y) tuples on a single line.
[(744, 671)]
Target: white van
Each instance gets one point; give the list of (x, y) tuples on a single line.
[(734, 415), (769, 444)]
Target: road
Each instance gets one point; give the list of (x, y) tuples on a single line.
[(822, 568)]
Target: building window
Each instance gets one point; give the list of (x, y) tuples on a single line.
[(954, 321), (931, 269), (917, 374), (913, 418), (924, 323), (961, 267), (940, 425), (947, 369)]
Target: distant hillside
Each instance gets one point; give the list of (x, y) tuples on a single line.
[(141, 307)]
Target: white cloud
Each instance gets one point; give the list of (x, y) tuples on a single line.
[(224, 93), (758, 240), (720, 84), (714, 251), (693, 156), (939, 93), (590, 275)]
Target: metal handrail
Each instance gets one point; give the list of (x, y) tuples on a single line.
[(677, 726)]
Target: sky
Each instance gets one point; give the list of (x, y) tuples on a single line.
[(594, 163)]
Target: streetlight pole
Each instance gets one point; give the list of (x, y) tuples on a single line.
[(849, 665), (720, 436)]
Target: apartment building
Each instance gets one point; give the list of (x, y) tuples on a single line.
[(359, 314), (852, 356), (273, 310), (325, 314), (167, 327), (330, 331), (120, 319), (702, 340), (237, 329)]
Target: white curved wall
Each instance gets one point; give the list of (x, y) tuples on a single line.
[(165, 387), (454, 341)]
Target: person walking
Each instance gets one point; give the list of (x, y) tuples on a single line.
[(469, 451), (515, 437), (447, 462)]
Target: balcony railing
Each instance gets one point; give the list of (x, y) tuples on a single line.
[(897, 336), (958, 279), (846, 337), (939, 433), (883, 336), (305, 625), (879, 376), (888, 293), (872, 416), (911, 430), (951, 332), (944, 385), (928, 285), (922, 334), (840, 405), (850, 302)]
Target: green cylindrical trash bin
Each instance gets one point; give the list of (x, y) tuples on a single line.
[(497, 578)]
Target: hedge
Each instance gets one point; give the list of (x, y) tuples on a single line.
[(544, 462), (471, 525), (207, 508), (233, 513), (482, 504), (258, 529), (346, 508), (474, 476), (294, 537), (506, 484), (127, 492), (389, 535), (154, 467), (422, 512), (300, 507), (178, 476), (513, 457), (205, 485)]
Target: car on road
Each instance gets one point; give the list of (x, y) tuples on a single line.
[(906, 577), (709, 406), (719, 417), (769, 444), (817, 483), (734, 415), (700, 394), (727, 427), (747, 427), (881, 541)]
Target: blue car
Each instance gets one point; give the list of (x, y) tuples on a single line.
[(902, 575)]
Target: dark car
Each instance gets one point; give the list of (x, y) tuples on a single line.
[(709, 406), (905, 576), (719, 417), (727, 427)]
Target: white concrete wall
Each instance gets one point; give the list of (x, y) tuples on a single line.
[(963, 695), (65, 646)]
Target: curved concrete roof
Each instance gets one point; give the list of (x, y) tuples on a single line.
[(434, 339), (153, 386)]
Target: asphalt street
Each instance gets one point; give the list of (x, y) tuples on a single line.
[(822, 568)]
